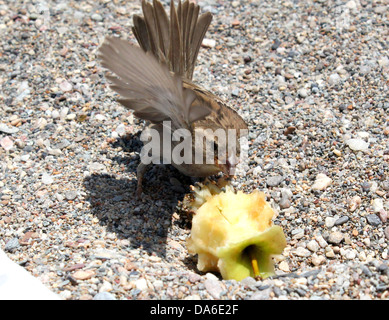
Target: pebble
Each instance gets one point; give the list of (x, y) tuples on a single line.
[(302, 252), (373, 220), (284, 266), (95, 166), (321, 182), (65, 86), (341, 220), (71, 194), (330, 222), (55, 114), (354, 203), (96, 17), (357, 144), (83, 275), (261, 294), (212, 285), (318, 260), (208, 43), (141, 284), (6, 143), (334, 79), (47, 179), (383, 215), (104, 296), (11, 245), (274, 181), (10, 130), (378, 205), (313, 245), (303, 93), (335, 237)]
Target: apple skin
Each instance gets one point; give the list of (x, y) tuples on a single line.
[(235, 263)]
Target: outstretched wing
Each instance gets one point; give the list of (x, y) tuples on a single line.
[(148, 87)]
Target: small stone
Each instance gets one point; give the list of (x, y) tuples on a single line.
[(383, 215), (65, 86), (261, 294), (276, 44), (341, 220), (330, 222), (373, 220), (336, 237), (71, 194), (334, 79), (106, 287), (83, 275), (235, 92), (321, 241), (96, 17), (248, 281), (383, 61), (235, 23), (194, 277), (321, 182), (213, 287), (121, 130), (63, 113), (380, 9), (141, 284), (47, 179), (303, 93), (378, 205), (313, 245), (100, 117), (350, 254), (330, 253), (65, 294), (302, 252), (357, 144), (104, 296), (284, 266), (337, 152), (95, 166), (284, 203), (40, 123), (298, 233), (318, 260), (11, 245), (158, 284), (55, 151), (6, 143), (208, 43), (354, 203), (4, 128), (55, 114), (274, 181), (71, 116)]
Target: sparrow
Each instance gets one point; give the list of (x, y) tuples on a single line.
[(155, 81)]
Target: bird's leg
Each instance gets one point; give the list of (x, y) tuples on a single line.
[(141, 170)]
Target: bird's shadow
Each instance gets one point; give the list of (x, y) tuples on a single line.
[(144, 221)]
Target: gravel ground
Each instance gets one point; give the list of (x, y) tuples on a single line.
[(309, 77)]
